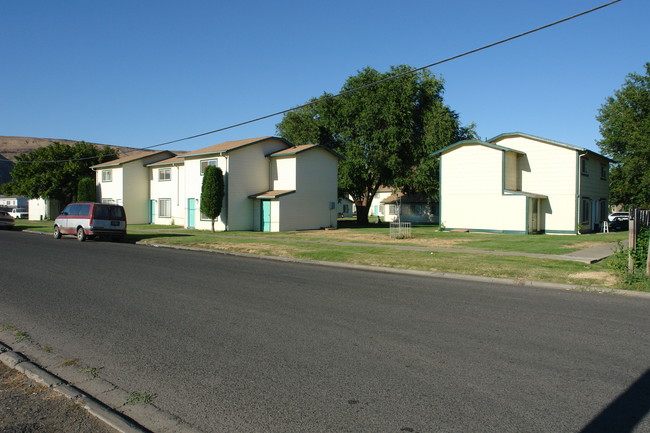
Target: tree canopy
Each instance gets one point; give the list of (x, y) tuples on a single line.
[(625, 127), (54, 171), (385, 132), (212, 193)]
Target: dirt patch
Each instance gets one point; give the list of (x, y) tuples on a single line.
[(27, 407), (583, 245), (249, 247), (351, 235), (603, 278)]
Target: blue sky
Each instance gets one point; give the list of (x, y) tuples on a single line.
[(139, 73)]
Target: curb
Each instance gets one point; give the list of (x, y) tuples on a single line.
[(118, 421), (446, 275), (19, 362)]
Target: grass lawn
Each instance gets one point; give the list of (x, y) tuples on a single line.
[(369, 250)]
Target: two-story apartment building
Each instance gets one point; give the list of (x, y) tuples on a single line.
[(520, 183), (270, 185)]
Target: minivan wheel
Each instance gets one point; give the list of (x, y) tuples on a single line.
[(57, 232), (81, 236)]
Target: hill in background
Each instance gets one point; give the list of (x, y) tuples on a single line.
[(10, 147)]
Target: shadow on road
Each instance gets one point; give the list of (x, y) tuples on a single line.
[(623, 414)]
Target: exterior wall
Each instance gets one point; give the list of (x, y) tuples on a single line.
[(283, 173), (549, 170), (193, 183), (112, 190), (345, 207), (173, 189), (472, 195), (14, 201), (594, 188), (313, 205), (249, 173), (136, 192), (246, 172), (43, 209), (376, 208)]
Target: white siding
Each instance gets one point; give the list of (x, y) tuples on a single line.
[(173, 189), (552, 171), (472, 192), (113, 189), (313, 205), (193, 183)]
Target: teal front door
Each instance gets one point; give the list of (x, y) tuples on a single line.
[(266, 216), (152, 210), (190, 213)]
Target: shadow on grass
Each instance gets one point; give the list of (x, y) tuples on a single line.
[(137, 237), (353, 224)]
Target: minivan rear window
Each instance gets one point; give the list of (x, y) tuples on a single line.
[(108, 212)]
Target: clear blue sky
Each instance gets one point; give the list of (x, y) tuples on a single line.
[(139, 73)]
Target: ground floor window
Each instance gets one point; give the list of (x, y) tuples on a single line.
[(165, 207), (585, 214)]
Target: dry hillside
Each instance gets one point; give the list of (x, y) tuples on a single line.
[(10, 147)]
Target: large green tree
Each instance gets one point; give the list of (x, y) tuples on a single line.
[(385, 132), (54, 171), (625, 127), (212, 193)]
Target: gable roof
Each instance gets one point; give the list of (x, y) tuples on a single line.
[(479, 142), (294, 150), (174, 160), (131, 158), (548, 141), (228, 146)]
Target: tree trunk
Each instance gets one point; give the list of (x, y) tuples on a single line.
[(212, 225), (362, 214)]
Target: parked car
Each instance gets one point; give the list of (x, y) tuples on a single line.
[(90, 220), (19, 212), (619, 223), (6, 220), (620, 215)]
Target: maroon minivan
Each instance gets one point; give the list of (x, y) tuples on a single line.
[(90, 220)]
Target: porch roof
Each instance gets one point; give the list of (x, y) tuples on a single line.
[(527, 194), (272, 193)]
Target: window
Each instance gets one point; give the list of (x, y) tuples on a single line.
[(392, 209), (603, 171), (585, 214), (165, 207), (205, 163), (164, 174), (108, 201), (583, 166), (107, 175)]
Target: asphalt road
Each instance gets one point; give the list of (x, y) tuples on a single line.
[(233, 344)]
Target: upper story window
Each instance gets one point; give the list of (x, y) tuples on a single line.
[(603, 171), (107, 175), (205, 163), (583, 166), (164, 174)]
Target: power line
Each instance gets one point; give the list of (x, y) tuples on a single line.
[(393, 77), (412, 71)]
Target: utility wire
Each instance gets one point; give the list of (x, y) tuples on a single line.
[(375, 83)]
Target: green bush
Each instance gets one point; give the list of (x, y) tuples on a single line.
[(637, 279)]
